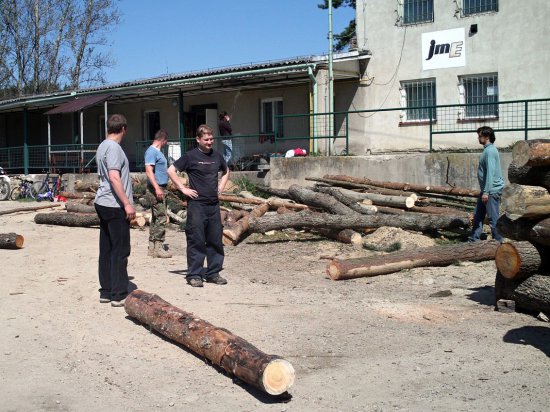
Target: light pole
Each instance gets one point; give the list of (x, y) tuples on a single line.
[(330, 77)]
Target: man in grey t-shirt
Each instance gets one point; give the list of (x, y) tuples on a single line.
[(114, 206)]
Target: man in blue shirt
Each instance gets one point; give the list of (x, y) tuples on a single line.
[(157, 178), (489, 175)]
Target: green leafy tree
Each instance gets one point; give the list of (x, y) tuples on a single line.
[(343, 39)]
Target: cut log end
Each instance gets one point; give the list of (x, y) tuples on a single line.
[(332, 271), (278, 377), (509, 261), (11, 241), (521, 153)]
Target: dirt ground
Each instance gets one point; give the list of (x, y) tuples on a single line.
[(371, 344)]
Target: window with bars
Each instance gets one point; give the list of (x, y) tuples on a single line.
[(269, 109), (416, 99), (470, 7), (417, 11), (477, 92)]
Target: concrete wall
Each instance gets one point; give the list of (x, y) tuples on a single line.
[(457, 169)]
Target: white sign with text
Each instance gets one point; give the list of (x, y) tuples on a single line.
[(443, 49)]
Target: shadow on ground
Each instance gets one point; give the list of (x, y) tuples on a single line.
[(536, 336)]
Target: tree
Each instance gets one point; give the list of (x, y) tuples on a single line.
[(343, 39), (48, 45)]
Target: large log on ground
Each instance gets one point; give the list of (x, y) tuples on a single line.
[(77, 195), (11, 241), (275, 203), (67, 219), (410, 221), (519, 260), (81, 186), (235, 355), (348, 236), (407, 259), (526, 201), (375, 198), (527, 175), (364, 187), (525, 229), (79, 208), (445, 190), (531, 294), (349, 199), (531, 152), (319, 200), (29, 209), (234, 234)]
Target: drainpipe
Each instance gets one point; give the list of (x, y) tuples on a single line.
[(313, 147), (182, 122), (25, 141)]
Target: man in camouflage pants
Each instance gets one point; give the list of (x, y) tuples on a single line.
[(157, 179)]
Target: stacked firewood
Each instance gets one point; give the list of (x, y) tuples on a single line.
[(523, 264)]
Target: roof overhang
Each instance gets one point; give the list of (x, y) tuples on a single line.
[(78, 104)]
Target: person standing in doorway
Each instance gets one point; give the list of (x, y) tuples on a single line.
[(114, 206), (203, 228), (156, 168), (491, 183), (226, 132)]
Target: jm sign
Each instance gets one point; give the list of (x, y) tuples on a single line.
[(442, 49)]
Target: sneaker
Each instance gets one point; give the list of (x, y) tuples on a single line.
[(195, 282), (118, 303), (104, 300), (218, 280)]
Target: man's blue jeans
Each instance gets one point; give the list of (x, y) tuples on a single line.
[(491, 209), (227, 150)]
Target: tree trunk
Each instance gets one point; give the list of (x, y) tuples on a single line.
[(364, 187), (519, 260), (235, 355), (67, 219), (437, 210), (235, 233), (350, 200), (375, 198), (79, 208), (275, 203), (408, 221), (348, 236), (29, 209), (531, 294), (275, 192), (408, 259), (319, 200), (526, 201), (11, 241), (525, 229), (531, 153), (77, 195), (526, 175), (81, 186), (445, 190)]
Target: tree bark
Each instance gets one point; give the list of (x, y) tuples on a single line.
[(11, 241), (531, 152), (410, 221), (437, 210), (531, 294), (375, 198), (79, 208), (81, 186), (235, 355), (275, 192), (525, 229), (526, 175), (364, 187), (319, 200), (29, 209), (275, 203), (519, 260), (445, 190), (349, 199), (407, 259), (67, 219), (348, 236), (77, 195), (526, 201), (235, 233)]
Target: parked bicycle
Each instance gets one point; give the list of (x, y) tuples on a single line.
[(25, 189), (5, 186), (49, 188)]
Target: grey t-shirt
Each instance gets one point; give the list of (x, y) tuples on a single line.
[(110, 156)]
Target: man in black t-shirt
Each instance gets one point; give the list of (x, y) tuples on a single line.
[(203, 228)]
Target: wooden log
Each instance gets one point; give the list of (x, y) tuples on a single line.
[(81, 186), (275, 203), (318, 200), (519, 260), (77, 195), (349, 199), (67, 219), (238, 199), (375, 198), (536, 231), (531, 152), (531, 294), (525, 201), (79, 208), (275, 192), (437, 210), (11, 241), (445, 190), (232, 353), (138, 221), (348, 236), (29, 209), (394, 262), (363, 187), (410, 221), (527, 175), (236, 232)]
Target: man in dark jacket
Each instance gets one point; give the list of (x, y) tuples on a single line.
[(225, 131)]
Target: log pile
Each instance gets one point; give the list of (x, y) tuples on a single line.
[(523, 264)]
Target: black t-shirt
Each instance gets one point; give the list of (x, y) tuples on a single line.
[(202, 169)]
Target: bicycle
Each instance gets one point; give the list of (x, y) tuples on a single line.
[(48, 188), (5, 187), (25, 189)]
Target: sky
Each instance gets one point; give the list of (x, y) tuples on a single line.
[(160, 37)]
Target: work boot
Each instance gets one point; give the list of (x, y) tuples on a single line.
[(151, 250), (159, 251)]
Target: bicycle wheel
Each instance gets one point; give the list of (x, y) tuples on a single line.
[(31, 192), (40, 187), (15, 193), (4, 190)]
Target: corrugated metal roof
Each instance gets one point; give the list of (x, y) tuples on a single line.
[(79, 104)]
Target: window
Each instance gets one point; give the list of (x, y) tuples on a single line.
[(269, 109), (470, 7), (421, 94), (476, 92), (417, 11)]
